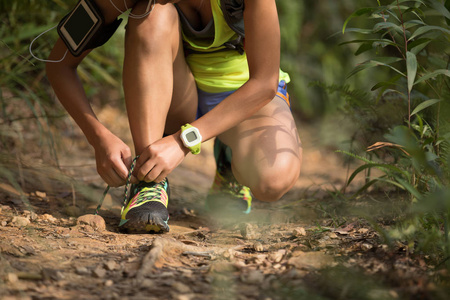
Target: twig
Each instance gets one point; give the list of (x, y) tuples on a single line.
[(19, 165), (74, 197), (202, 254), (160, 246)]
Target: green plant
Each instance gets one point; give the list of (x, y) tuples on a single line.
[(411, 40)]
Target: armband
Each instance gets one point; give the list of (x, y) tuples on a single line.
[(84, 28)]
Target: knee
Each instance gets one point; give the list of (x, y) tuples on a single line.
[(271, 187), (270, 183), (157, 27)]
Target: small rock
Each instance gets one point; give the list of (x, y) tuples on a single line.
[(253, 277), (323, 241), (109, 283), (258, 247), (20, 222), (276, 257), (42, 195), (299, 231), (27, 250), (147, 283), (99, 272), (248, 232), (186, 272), (81, 271), (33, 216), (48, 218), (5, 207), (12, 278), (239, 264), (3, 223), (333, 235), (94, 221), (181, 287), (366, 246), (110, 265), (52, 274)]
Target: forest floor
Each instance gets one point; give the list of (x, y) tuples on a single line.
[(312, 244)]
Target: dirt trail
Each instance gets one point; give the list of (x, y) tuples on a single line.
[(297, 248)]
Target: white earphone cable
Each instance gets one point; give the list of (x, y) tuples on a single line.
[(40, 59), (134, 16)]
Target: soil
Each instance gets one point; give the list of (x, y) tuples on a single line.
[(313, 244)]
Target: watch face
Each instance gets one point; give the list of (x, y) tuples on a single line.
[(191, 136)]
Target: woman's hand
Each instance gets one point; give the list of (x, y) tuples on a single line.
[(113, 159), (160, 158)]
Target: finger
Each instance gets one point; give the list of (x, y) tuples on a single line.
[(144, 171), (161, 177), (112, 179), (134, 180), (127, 160), (120, 168), (143, 157), (153, 174), (139, 163)]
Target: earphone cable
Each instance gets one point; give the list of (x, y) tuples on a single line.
[(40, 59)]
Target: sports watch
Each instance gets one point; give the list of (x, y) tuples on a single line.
[(191, 138)]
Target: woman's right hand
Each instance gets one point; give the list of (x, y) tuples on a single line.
[(113, 158)]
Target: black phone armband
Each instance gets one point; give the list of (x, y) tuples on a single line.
[(84, 28)]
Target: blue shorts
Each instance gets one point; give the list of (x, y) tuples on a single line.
[(207, 101)]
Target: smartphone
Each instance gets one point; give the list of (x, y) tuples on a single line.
[(80, 25)]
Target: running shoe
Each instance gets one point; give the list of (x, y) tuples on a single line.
[(226, 194), (146, 210)]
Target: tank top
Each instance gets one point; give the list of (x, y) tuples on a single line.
[(215, 68)]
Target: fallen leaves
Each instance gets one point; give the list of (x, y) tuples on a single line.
[(191, 262)]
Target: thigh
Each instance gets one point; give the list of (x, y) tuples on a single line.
[(266, 146)]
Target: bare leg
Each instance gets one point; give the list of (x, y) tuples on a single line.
[(161, 95), (159, 88), (266, 151)]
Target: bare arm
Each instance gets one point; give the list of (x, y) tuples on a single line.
[(262, 45), (112, 155)]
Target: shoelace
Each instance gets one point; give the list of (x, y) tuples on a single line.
[(151, 192), (127, 188)]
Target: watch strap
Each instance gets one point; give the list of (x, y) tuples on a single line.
[(195, 149)]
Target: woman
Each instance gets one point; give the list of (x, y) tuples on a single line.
[(222, 93)]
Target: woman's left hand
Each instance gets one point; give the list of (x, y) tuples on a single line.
[(160, 158)]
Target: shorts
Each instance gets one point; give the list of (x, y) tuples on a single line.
[(207, 101)]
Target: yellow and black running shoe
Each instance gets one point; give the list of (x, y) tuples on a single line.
[(146, 210)]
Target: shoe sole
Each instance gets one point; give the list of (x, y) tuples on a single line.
[(154, 224)]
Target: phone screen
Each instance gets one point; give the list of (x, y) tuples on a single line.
[(79, 24)]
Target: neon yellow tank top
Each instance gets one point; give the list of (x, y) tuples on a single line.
[(218, 71)]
